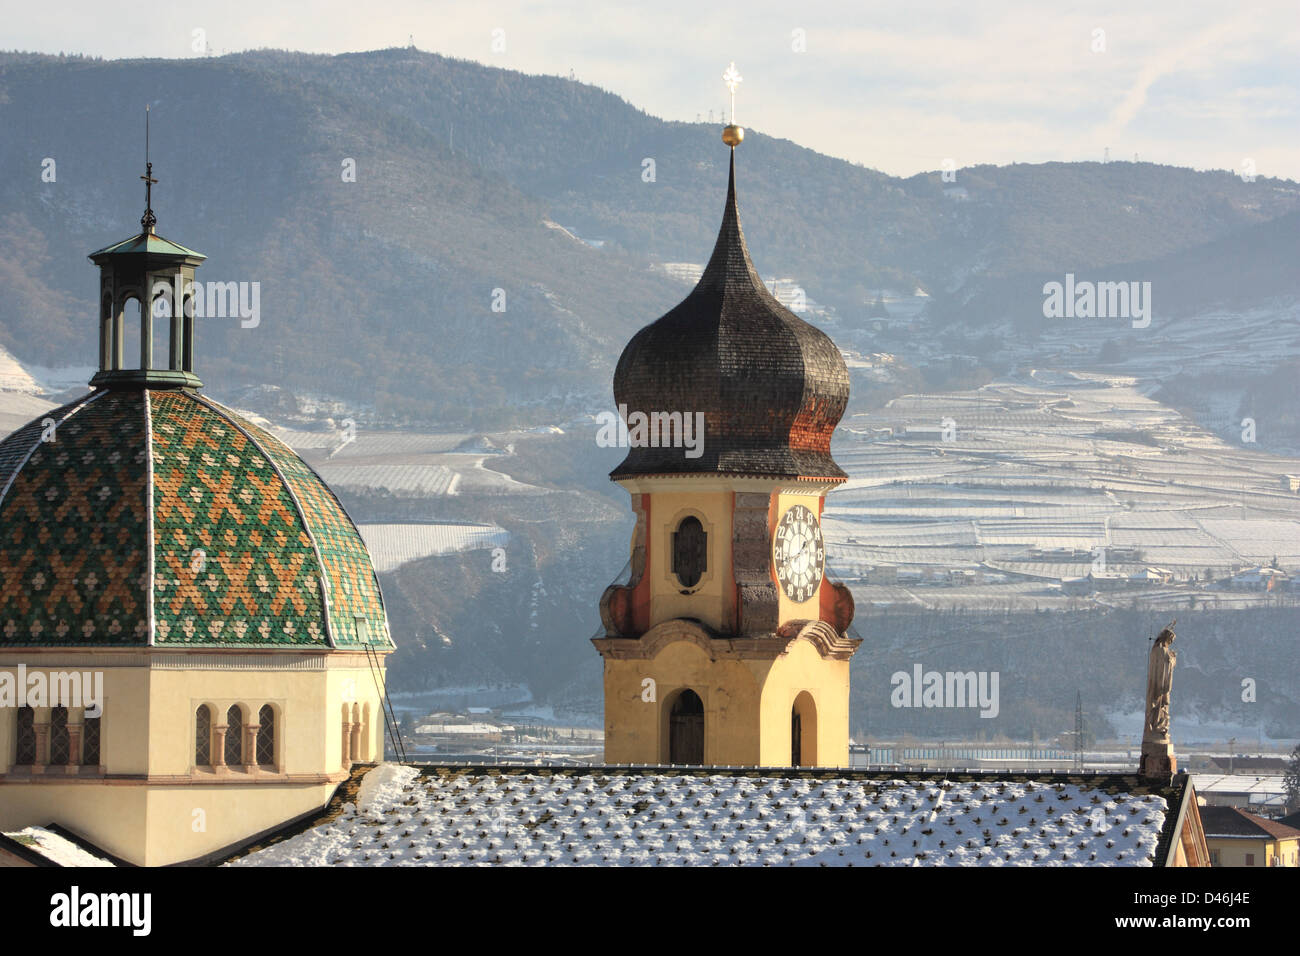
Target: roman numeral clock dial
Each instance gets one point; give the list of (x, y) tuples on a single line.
[(798, 553)]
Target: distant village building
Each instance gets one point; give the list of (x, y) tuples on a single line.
[(1238, 838), (1260, 792), (883, 574), (1258, 578)]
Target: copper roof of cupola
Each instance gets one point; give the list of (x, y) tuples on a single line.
[(771, 387)]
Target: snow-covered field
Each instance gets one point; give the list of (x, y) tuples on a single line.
[(538, 818), (1060, 462), (393, 545)]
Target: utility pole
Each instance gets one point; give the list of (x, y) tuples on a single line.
[(1078, 730)]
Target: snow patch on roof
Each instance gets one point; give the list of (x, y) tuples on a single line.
[(55, 848)]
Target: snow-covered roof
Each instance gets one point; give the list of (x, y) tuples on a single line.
[(55, 847), (621, 816)]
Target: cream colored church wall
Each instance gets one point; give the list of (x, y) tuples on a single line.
[(189, 822), (111, 817), (713, 599), (802, 668), (636, 730)]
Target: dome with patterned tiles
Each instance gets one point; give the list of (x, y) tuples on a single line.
[(145, 514), (159, 517)]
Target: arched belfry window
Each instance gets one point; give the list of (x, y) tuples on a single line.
[(133, 318), (106, 332), (690, 552), (160, 325), (686, 729), (234, 737), (803, 731), (202, 737)]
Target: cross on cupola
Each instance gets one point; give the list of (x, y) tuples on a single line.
[(146, 295), (148, 220)]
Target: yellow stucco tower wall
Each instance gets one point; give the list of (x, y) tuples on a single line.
[(749, 686)]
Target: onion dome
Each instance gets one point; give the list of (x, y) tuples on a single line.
[(158, 517), (770, 386)]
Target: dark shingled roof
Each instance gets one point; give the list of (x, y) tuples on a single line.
[(771, 387), (1234, 822)]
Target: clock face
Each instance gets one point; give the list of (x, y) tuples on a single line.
[(798, 553)]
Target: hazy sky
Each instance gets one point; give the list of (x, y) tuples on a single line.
[(899, 87)]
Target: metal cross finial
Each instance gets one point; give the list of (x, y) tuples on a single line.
[(148, 220), (732, 79)]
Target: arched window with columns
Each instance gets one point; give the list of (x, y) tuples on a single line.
[(203, 736), (266, 736), (60, 741), (90, 731), (234, 737), (25, 752)]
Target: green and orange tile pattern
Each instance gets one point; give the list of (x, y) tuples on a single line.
[(234, 561)]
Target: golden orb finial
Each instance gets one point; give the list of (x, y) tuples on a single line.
[(733, 135)]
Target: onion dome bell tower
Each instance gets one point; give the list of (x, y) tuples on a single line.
[(728, 645)]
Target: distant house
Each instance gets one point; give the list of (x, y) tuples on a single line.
[(1124, 554), (924, 432), (1148, 576), (1262, 792), (883, 574), (1095, 581), (1258, 578), (1237, 838), (1291, 482)]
